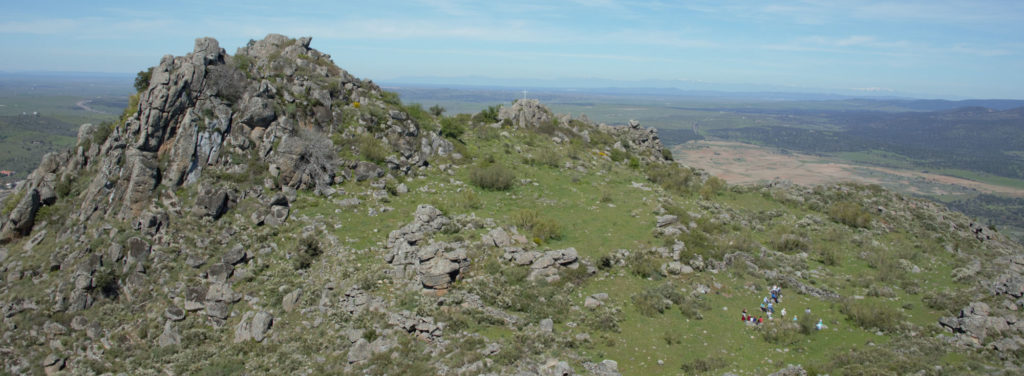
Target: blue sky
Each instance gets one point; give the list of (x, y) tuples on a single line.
[(934, 48)]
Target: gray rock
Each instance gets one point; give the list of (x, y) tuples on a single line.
[(169, 337), (277, 216), (213, 203), (791, 370), (498, 238), (174, 313), (360, 351), (20, 220), (555, 368), (234, 256), (546, 325), (606, 367), (525, 113), (291, 300), (253, 326), (367, 170), (677, 268), (219, 310), (220, 272), (592, 303), (666, 220)]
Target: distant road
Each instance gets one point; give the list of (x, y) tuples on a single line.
[(85, 106)]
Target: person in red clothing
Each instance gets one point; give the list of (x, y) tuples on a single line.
[(744, 316)]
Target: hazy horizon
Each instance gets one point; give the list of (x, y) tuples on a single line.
[(934, 49)]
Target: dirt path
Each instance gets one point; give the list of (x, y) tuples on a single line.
[(740, 163), (84, 104)]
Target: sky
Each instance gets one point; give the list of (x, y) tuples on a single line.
[(928, 49)]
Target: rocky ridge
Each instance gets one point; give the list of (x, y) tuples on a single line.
[(243, 205)]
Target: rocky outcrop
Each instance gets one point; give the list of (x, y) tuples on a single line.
[(643, 141), (268, 110), (975, 326), (434, 265), (525, 113)]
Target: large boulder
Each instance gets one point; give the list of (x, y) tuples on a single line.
[(526, 113), (22, 218)]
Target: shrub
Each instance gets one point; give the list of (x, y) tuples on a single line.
[(541, 228), (105, 281), (644, 266), (634, 162), (649, 303), (780, 332), (418, 114), (488, 115), (671, 177), (789, 243), (830, 256), (870, 314), (452, 127), (390, 97), (604, 319), (618, 155), (667, 154), (469, 200), (850, 214), (436, 110), (492, 176), (142, 79), (306, 251), (549, 157), (372, 149), (805, 324), (704, 365), (712, 187)]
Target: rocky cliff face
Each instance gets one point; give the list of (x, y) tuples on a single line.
[(268, 111)]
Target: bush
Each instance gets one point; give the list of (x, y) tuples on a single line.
[(850, 214), (436, 110), (492, 176), (372, 149), (542, 229), (618, 155), (649, 303), (488, 115), (667, 154), (452, 127), (142, 79), (419, 115), (830, 256), (658, 299), (105, 281), (704, 365), (671, 177), (548, 157), (789, 243), (390, 97), (712, 187), (780, 332), (644, 266), (306, 251), (870, 314)]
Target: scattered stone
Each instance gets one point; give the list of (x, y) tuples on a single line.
[(174, 313), (291, 300)]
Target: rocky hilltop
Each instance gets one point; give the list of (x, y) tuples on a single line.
[(266, 212)]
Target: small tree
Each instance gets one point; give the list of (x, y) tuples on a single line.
[(437, 110), (142, 79)]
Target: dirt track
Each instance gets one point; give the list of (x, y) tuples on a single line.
[(740, 163)]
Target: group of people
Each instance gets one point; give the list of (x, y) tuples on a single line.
[(768, 309)]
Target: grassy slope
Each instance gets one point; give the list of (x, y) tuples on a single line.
[(599, 211)]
